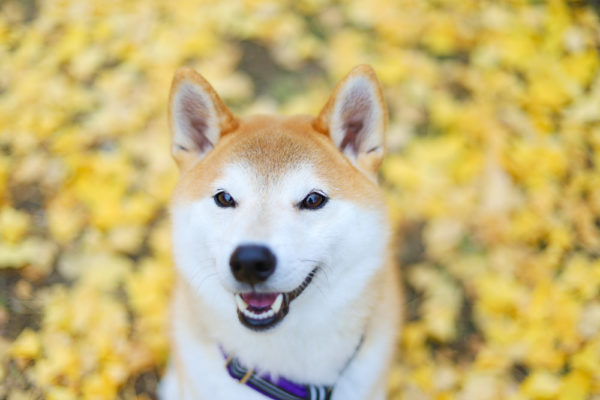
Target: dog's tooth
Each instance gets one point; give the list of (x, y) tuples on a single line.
[(277, 303), (252, 315), (241, 303), (262, 315)]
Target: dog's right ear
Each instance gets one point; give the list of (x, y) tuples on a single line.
[(198, 117)]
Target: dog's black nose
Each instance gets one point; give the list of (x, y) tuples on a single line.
[(252, 264)]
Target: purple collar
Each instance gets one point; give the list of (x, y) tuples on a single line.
[(276, 389)]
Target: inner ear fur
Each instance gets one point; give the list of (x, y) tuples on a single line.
[(355, 118), (197, 115)]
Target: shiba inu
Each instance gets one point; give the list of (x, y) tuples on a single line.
[(285, 285)]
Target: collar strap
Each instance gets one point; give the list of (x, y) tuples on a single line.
[(279, 389)]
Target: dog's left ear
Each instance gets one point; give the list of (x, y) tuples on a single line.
[(198, 117), (355, 118)]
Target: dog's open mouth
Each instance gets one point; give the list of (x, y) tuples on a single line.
[(260, 311)]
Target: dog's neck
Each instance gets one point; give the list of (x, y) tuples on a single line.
[(275, 387), (279, 388)]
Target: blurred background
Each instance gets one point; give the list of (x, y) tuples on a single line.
[(493, 180)]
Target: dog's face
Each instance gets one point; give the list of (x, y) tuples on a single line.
[(267, 206)]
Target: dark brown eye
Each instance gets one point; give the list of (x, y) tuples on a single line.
[(224, 199), (313, 201)]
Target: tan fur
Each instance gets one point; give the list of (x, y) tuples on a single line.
[(273, 144)]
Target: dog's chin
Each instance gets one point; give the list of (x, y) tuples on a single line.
[(263, 311)]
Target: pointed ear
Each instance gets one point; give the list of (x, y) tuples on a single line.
[(355, 118), (198, 117)]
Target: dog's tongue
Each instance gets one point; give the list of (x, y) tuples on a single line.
[(259, 300)]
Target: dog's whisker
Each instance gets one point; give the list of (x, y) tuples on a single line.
[(308, 260), (203, 279), (323, 270), (319, 288)]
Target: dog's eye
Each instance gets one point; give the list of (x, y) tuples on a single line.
[(224, 199), (313, 201)]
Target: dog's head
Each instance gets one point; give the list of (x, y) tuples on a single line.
[(274, 207)]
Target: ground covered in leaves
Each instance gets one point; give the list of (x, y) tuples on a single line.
[(493, 180)]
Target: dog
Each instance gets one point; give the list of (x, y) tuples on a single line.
[(286, 287)]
